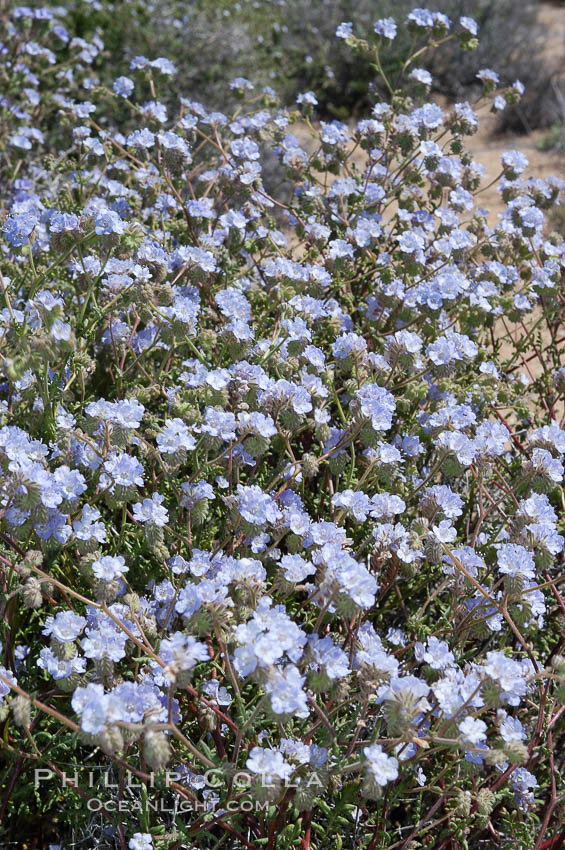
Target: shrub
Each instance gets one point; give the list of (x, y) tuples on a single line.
[(290, 45), (281, 485)]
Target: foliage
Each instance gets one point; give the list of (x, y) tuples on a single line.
[(282, 470)]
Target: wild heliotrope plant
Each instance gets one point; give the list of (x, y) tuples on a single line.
[(281, 468)]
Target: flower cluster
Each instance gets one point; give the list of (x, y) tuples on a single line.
[(281, 483)]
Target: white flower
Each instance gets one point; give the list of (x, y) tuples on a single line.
[(109, 567), (382, 767), (268, 764), (141, 841), (473, 731)]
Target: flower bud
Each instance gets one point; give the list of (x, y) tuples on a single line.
[(104, 667), (491, 693), (132, 600), (21, 709), (516, 752), (433, 549), (199, 512), (559, 380), (495, 757), (33, 558), (64, 651), (154, 535), (31, 593), (485, 801), (110, 739), (206, 718), (463, 803), (106, 591), (156, 749), (322, 431), (310, 465)]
